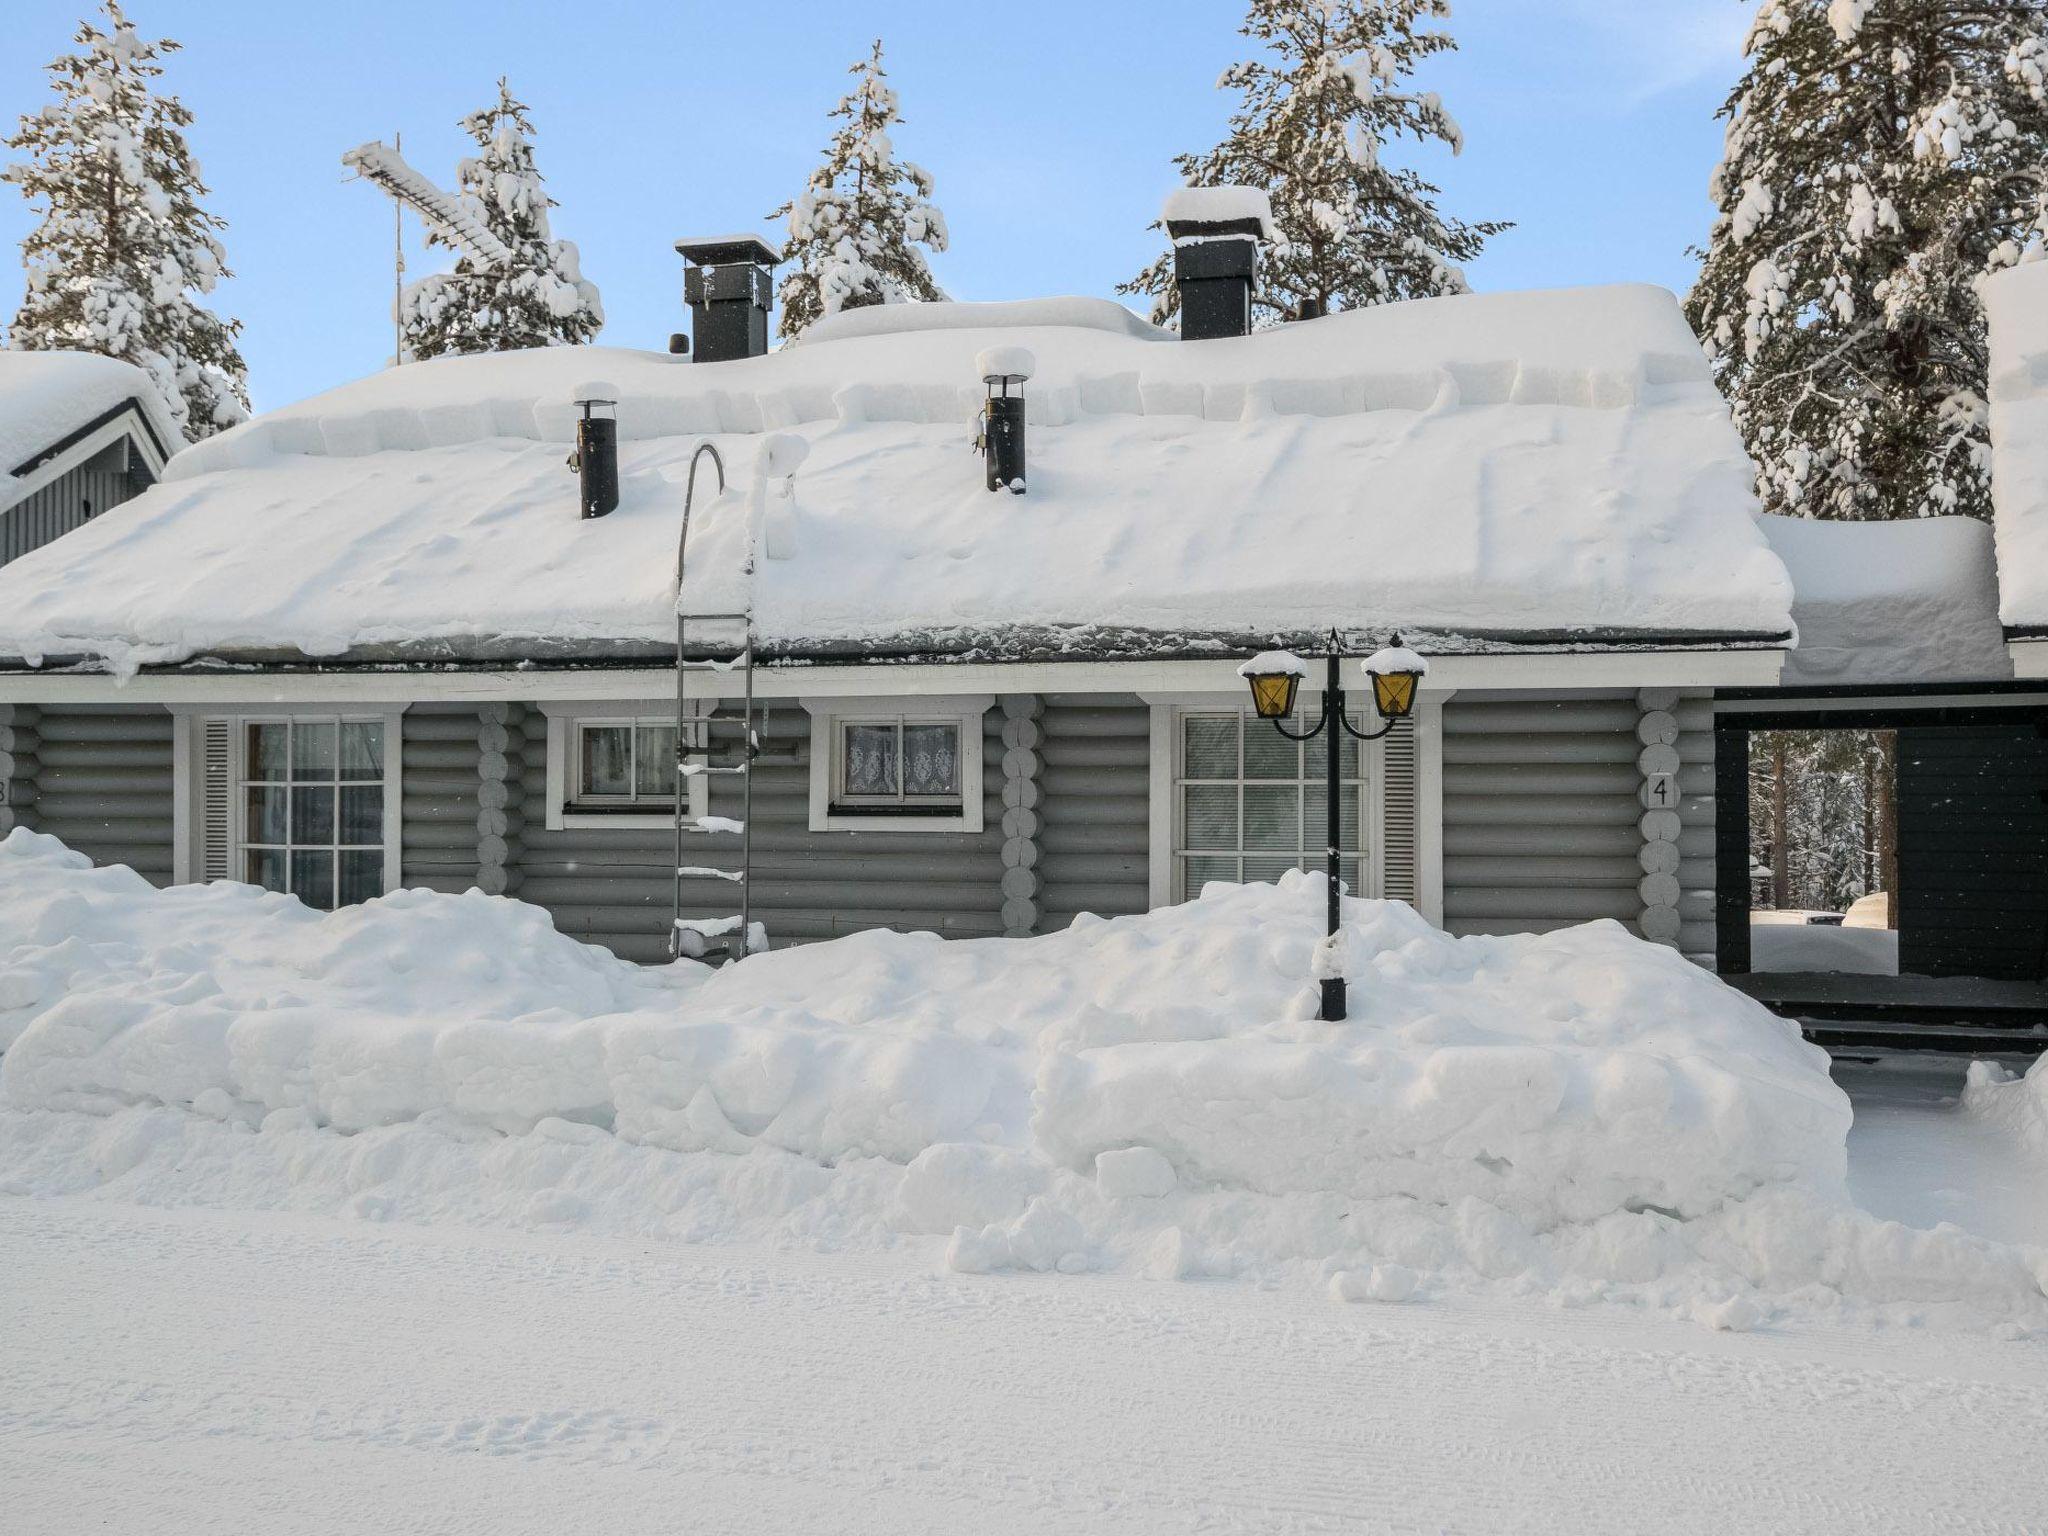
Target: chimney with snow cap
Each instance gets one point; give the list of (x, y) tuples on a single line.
[(596, 459), (1216, 233), (729, 289), (1002, 418)]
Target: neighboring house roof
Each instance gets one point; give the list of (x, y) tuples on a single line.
[(2016, 303), (59, 408), (1893, 602), (1482, 472)]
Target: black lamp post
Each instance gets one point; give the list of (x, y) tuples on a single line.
[(1275, 677)]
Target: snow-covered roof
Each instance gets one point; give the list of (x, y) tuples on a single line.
[(1479, 470), (47, 396), (2016, 302), (1898, 602)]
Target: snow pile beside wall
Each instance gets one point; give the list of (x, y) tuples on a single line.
[(1577, 1112), (2018, 1103)]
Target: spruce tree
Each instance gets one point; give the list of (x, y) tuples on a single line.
[(538, 299), (1881, 157), (123, 247), (854, 233), (1319, 107)]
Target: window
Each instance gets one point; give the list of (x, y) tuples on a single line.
[(1250, 804), (902, 765), (625, 763), (614, 766), (899, 766), (312, 795)]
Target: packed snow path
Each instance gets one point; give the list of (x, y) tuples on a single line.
[(197, 1371)]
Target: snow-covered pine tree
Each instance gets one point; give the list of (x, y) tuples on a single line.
[(1881, 157), (540, 298), (1319, 109), (854, 232), (123, 247)]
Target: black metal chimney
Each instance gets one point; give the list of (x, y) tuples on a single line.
[(729, 290), (1216, 233), (597, 449), (1002, 419)]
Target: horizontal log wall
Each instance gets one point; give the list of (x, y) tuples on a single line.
[(615, 887), (102, 782), (439, 758), (1541, 819), (1095, 818)]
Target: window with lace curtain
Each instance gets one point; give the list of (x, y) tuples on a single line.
[(905, 765)]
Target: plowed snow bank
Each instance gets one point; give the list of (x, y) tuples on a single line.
[(1577, 1110)]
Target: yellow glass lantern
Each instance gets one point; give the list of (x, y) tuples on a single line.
[(1396, 672), (1274, 676)]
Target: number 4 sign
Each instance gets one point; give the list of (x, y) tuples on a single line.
[(1660, 791)]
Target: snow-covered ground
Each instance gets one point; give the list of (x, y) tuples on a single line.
[(390, 1218), (197, 1371), (1802, 946)]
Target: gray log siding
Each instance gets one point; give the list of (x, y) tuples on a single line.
[(1022, 763), (1696, 873), (614, 887), (17, 765), (439, 791), (1541, 819), (1094, 789), (102, 482), (102, 782)]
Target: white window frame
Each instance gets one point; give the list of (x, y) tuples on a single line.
[(565, 808), (187, 825), (830, 716), (1427, 722)]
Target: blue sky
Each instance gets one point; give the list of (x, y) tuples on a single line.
[(1048, 125)]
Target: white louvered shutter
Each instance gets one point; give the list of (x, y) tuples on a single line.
[(1400, 798), (216, 859)]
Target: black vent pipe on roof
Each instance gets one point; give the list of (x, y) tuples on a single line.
[(729, 288), (596, 459), (1004, 370)]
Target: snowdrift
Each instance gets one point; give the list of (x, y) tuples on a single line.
[(1577, 1109)]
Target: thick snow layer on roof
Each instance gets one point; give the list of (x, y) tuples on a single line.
[(2016, 303), (46, 396), (1901, 602), (1490, 467)]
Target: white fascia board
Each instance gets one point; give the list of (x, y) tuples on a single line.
[(1547, 672), (2029, 658), (127, 425)]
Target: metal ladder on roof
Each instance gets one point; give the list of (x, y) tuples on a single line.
[(731, 936)]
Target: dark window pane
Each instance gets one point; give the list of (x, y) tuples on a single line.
[(655, 766), (1348, 873), (362, 814), (264, 867), (267, 751), (1211, 746), (1314, 831), (1348, 759), (1269, 755), (608, 760), (1272, 817), (1199, 870), (313, 750), (266, 814), (362, 749), (362, 876), (871, 753), (1209, 818), (1267, 868), (313, 877), (312, 813), (931, 760)]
